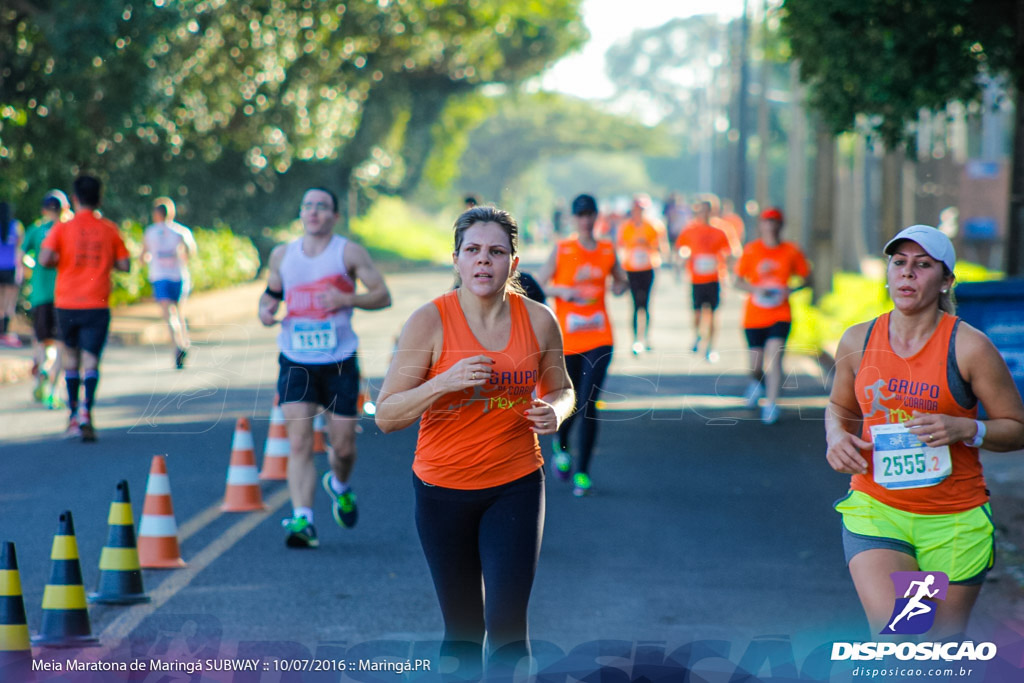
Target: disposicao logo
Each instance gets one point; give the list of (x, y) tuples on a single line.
[(914, 613)]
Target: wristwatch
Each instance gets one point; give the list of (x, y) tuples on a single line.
[(979, 437)]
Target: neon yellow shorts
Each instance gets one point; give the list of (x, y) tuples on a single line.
[(961, 544)]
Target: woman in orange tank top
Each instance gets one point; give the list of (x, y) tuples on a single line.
[(902, 419), (484, 368)]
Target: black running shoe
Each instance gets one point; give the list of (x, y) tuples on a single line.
[(179, 359)]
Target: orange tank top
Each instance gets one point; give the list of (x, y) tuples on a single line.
[(641, 245), (889, 389), (585, 324), (478, 438)]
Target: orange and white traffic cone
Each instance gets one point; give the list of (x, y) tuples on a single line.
[(320, 440), (243, 486), (15, 647), (277, 448), (158, 532), (65, 614)]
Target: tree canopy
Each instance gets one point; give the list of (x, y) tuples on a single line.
[(528, 128), (888, 59), (232, 106)]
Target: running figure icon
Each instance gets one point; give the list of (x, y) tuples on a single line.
[(916, 605)]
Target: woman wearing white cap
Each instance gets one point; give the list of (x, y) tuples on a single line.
[(903, 420)]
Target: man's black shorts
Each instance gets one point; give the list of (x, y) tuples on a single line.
[(706, 294), (334, 386), (44, 322), (84, 328), (757, 336)]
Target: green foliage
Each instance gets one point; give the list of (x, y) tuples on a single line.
[(233, 108), (854, 298), (451, 136), (223, 259), (888, 59), (392, 230), (676, 69), (529, 128)]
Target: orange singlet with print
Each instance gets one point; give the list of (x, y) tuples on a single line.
[(641, 245), (585, 323), (770, 268), (709, 248), (889, 389), (478, 438)]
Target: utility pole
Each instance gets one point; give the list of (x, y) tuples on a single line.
[(761, 191), (738, 178)]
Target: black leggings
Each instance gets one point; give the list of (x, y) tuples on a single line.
[(587, 371), (640, 284), (492, 534)]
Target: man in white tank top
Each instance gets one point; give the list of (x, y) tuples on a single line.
[(316, 277), (166, 249)]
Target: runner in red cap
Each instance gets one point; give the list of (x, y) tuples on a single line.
[(765, 270)]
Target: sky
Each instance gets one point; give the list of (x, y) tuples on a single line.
[(610, 21)]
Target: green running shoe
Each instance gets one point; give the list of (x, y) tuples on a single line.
[(301, 533), (343, 507), (39, 392), (581, 484), (54, 402), (561, 461)]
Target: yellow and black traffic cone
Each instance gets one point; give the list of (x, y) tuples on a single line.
[(65, 614), (120, 575), (15, 648)]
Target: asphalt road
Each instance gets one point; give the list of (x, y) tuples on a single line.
[(705, 525)]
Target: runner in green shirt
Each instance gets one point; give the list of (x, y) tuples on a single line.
[(47, 364)]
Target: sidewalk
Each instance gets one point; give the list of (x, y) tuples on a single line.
[(142, 323)]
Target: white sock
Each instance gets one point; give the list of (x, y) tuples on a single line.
[(339, 487), (304, 512)]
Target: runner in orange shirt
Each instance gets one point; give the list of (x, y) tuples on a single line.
[(707, 253), (483, 367), (765, 270), (643, 242), (903, 420), (84, 250), (576, 275), (730, 221)]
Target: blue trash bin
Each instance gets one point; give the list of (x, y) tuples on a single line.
[(997, 309)]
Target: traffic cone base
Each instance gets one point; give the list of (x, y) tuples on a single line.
[(242, 493), (120, 574), (65, 614)]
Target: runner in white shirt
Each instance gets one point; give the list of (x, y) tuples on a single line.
[(166, 249), (316, 277)]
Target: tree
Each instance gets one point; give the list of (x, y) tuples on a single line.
[(889, 59), (528, 128), (235, 106)]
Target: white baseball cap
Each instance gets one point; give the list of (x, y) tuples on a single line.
[(932, 240)]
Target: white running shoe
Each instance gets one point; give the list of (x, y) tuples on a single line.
[(753, 394)]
